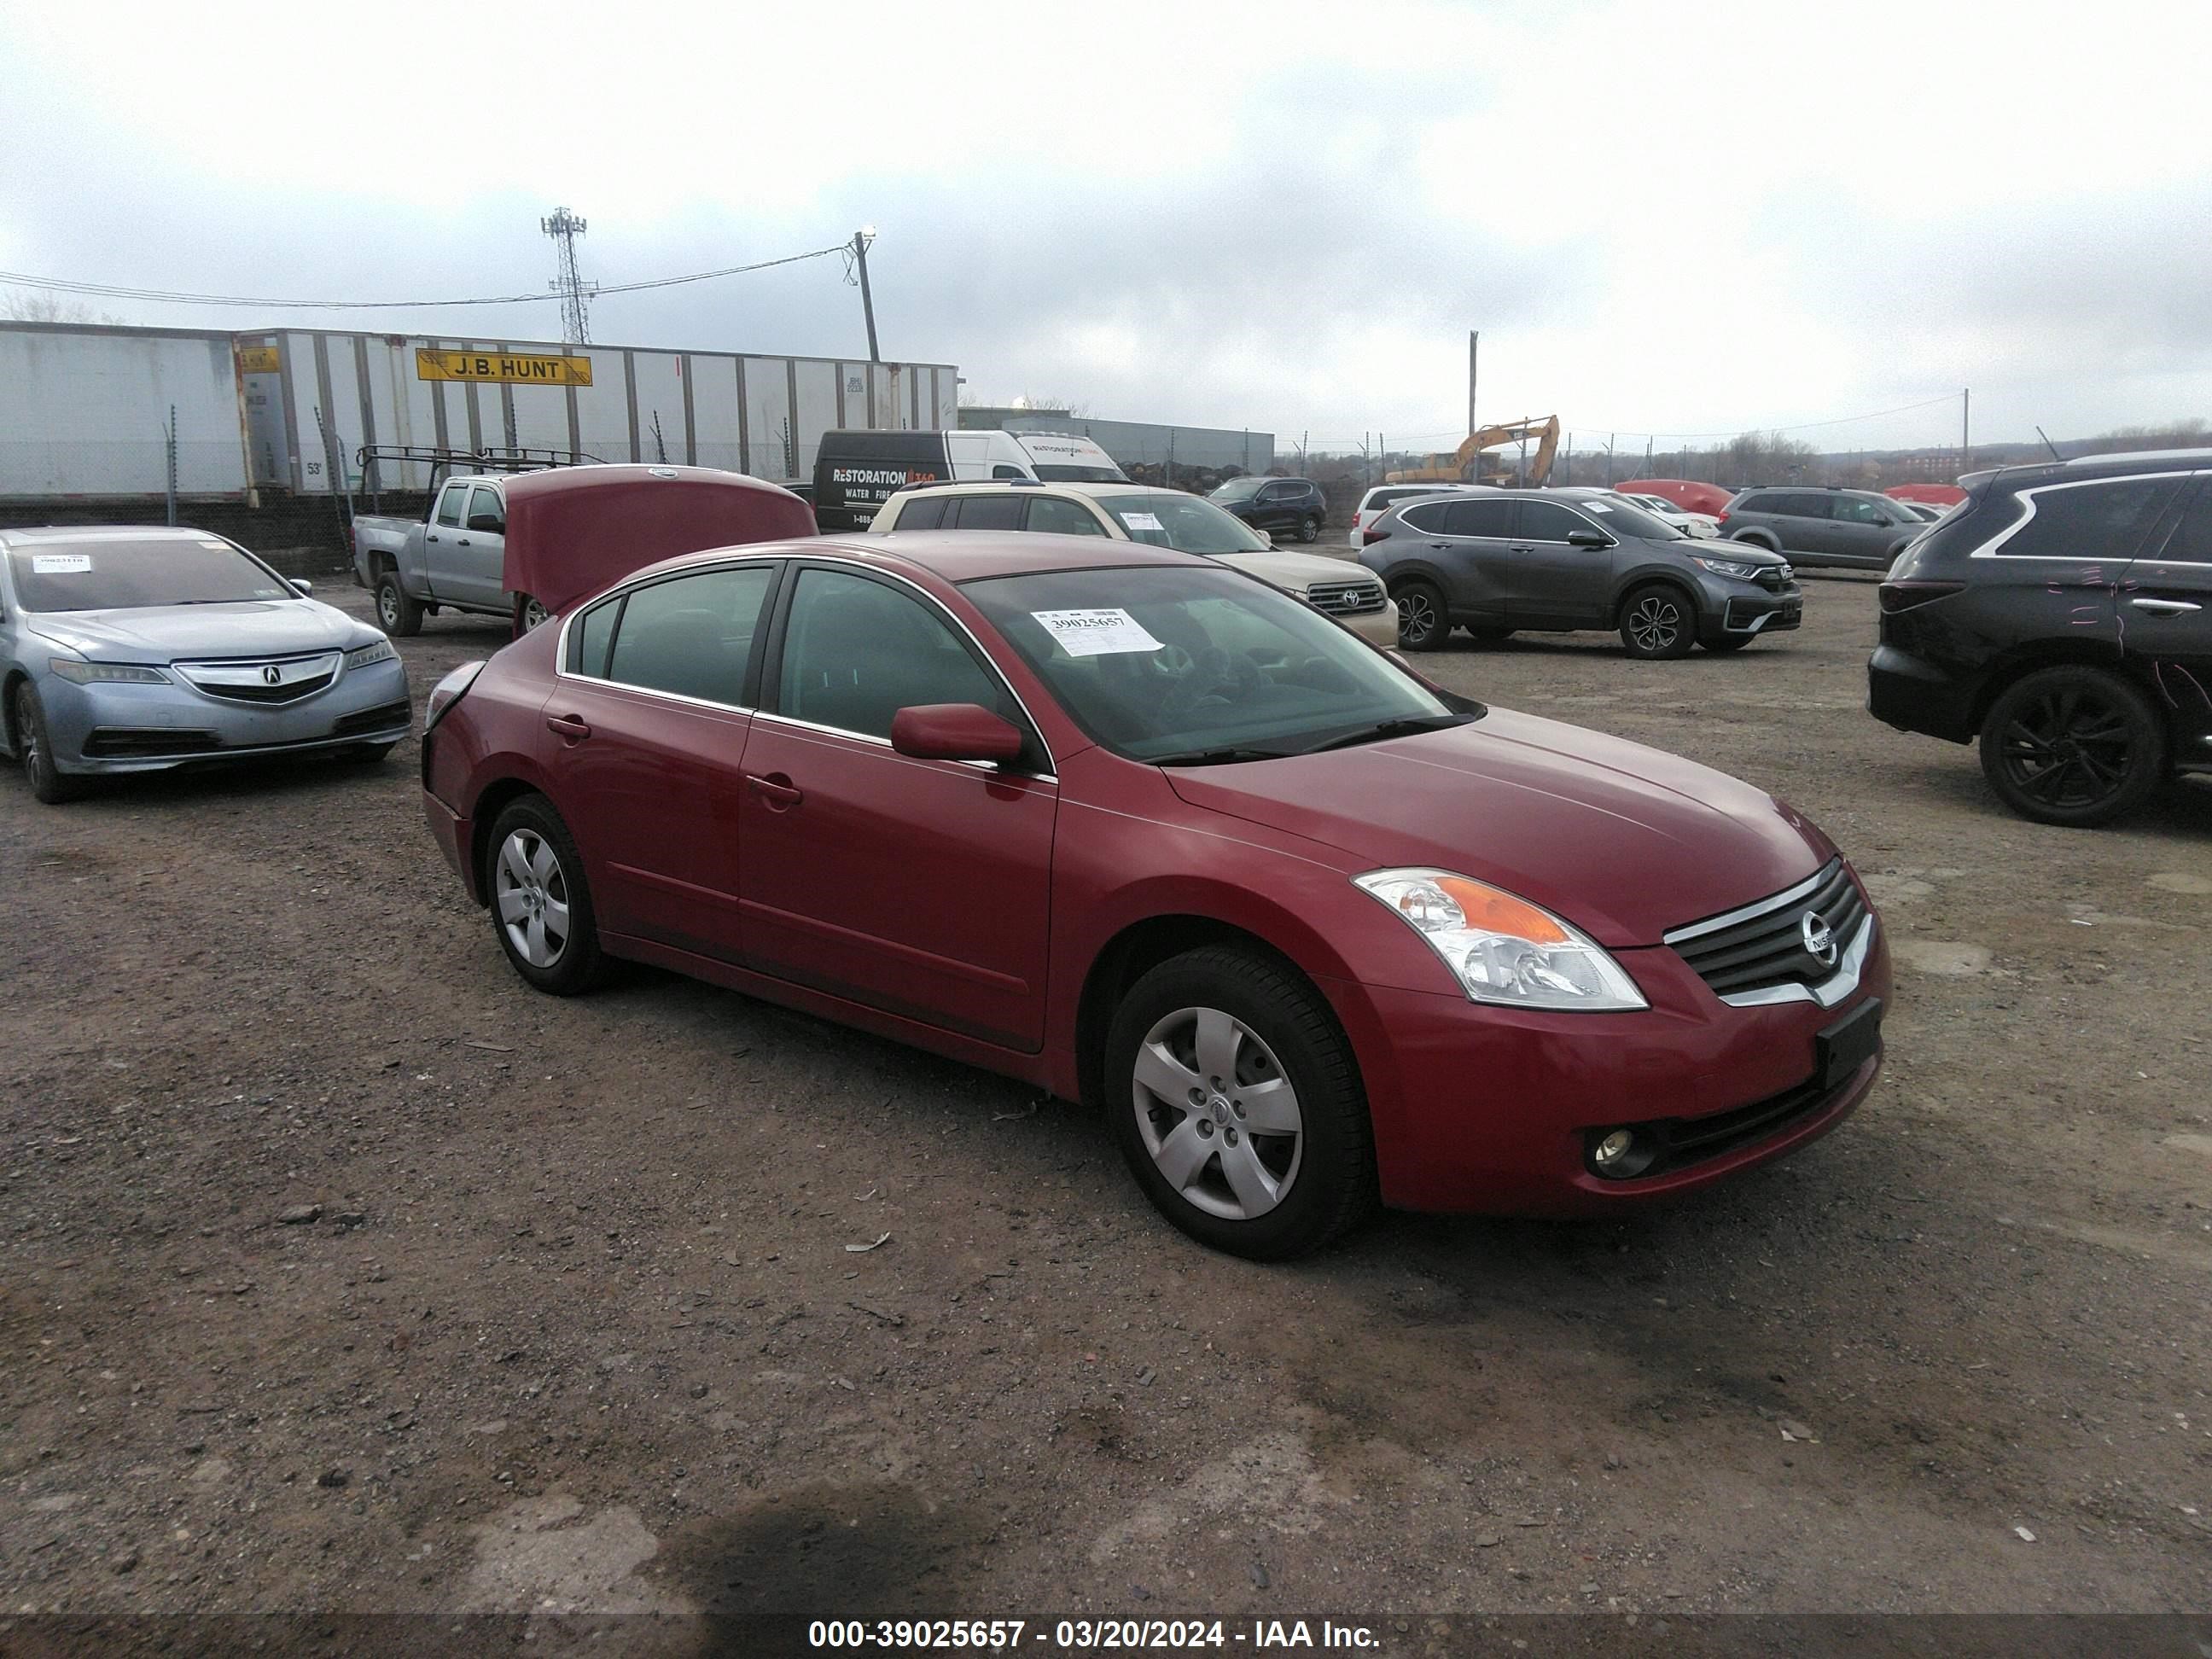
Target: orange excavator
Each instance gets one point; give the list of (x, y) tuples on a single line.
[(1469, 464)]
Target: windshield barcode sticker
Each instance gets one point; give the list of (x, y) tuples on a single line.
[(1096, 633), (60, 564)]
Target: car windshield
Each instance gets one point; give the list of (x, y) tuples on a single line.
[(1055, 472), (99, 575), (1620, 517), (1186, 665), (1238, 490), (1183, 522)]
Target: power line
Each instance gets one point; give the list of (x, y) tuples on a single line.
[(112, 291), (1732, 432)]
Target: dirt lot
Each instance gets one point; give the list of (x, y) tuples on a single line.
[(579, 1324)]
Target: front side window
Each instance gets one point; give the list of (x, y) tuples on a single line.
[(1237, 490), (1183, 664), (855, 652), (484, 511), (1547, 521), (692, 636), (1849, 509), (1056, 515), (98, 574), (2107, 519)]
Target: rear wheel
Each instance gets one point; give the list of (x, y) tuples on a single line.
[(1490, 635), (1310, 527), (48, 782), (397, 613), (1236, 1101), (1657, 622), (541, 905), (1423, 624), (2073, 745)]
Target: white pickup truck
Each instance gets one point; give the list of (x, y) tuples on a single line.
[(451, 558)]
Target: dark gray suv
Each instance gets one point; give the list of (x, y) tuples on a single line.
[(1555, 561), (1853, 529), (1294, 507)]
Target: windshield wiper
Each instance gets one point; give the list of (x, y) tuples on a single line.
[(1221, 757), (1405, 727)]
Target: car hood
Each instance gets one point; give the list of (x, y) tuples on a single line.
[(1622, 841), (167, 633), (1294, 572)]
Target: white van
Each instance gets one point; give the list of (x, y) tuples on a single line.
[(855, 472)]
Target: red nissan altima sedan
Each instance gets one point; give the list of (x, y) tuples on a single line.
[(1147, 833)]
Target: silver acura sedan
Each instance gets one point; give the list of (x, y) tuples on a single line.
[(134, 649)]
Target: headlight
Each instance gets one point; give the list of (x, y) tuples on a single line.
[(1735, 567), (1504, 949), (92, 673), (362, 655)]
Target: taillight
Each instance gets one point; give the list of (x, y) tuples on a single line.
[(1369, 537), (1894, 596), (1721, 516)]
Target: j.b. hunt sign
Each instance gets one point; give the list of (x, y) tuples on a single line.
[(504, 367)]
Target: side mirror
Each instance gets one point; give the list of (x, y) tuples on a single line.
[(1588, 538), (956, 732), (1266, 536), (302, 587), (489, 524)]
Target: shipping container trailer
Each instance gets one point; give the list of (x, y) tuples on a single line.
[(85, 410)]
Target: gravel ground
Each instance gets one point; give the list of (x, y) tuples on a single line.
[(344, 1272)]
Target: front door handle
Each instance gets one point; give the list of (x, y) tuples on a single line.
[(568, 727), (777, 790), (2165, 607)]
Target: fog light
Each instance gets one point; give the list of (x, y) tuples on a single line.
[(1614, 1148), (1623, 1154)]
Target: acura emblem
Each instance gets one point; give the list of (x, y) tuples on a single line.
[(1820, 939), (271, 675)]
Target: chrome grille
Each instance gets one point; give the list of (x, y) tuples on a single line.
[(1765, 945), (1345, 598), (264, 680)]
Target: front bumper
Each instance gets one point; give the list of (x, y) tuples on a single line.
[(1488, 1109), (102, 729), (1376, 627), (1746, 608)]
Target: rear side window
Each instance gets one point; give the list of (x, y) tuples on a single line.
[(595, 633), (2105, 520), (1060, 517), (2192, 540), (1428, 517), (1490, 517), (1799, 505), (692, 636), (923, 513), (986, 511)]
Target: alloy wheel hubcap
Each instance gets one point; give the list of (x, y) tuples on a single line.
[(29, 729), (1420, 616), (387, 607), (533, 615), (532, 892), (1217, 1115), (2070, 748), (1655, 624)]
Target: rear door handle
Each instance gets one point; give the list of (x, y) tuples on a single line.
[(464, 541), (2165, 607), (568, 727), (777, 790)]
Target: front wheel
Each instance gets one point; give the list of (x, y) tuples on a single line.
[(397, 613), (48, 782), (1656, 623), (1309, 528), (1725, 643), (541, 905), (1423, 624), (1237, 1103), (531, 613), (2073, 745)]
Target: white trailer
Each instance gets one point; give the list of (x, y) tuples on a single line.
[(85, 410)]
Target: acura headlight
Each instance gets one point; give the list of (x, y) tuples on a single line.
[(93, 673), (1504, 949), (362, 655), (1735, 567)]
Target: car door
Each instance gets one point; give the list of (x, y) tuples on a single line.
[(1861, 532), (1549, 581), (2165, 615), (646, 730), (1801, 519), (443, 558), (918, 887), (480, 561)]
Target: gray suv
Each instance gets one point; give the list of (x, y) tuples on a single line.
[(1853, 529), (1554, 560)]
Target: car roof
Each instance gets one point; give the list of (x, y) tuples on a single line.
[(954, 555), (2128, 460), (1042, 486), (616, 475), (106, 532)]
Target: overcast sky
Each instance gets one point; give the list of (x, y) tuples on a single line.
[(1680, 219)]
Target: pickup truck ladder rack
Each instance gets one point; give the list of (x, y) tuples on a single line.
[(442, 460)]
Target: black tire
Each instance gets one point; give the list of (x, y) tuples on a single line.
[(1325, 1174), (1424, 624), (370, 754), (578, 964), (1309, 528), (1724, 643), (36, 750), (397, 613), (1490, 635), (2073, 745), (1657, 623), (1758, 538)]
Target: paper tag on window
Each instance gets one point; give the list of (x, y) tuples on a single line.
[(1096, 633), (1597, 506), (1143, 521), (60, 564)]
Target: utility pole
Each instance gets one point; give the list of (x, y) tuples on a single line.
[(861, 238), (1965, 429), (564, 228), (1473, 347)]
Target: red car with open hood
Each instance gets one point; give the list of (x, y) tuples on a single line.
[(1145, 832)]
